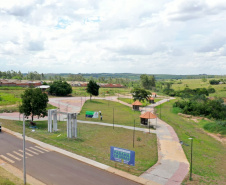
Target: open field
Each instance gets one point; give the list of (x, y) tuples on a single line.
[(81, 91), (198, 83), (130, 101), (94, 142), (123, 115), (9, 97), (208, 153)]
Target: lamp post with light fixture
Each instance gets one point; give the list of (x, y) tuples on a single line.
[(191, 158)]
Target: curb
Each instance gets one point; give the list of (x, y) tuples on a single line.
[(84, 160), (19, 174)]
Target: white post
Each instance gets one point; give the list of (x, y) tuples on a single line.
[(75, 124), (68, 125), (54, 120), (48, 120)]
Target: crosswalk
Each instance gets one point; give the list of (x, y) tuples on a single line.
[(18, 154)]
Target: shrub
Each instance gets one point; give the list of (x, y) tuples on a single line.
[(60, 88), (216, 127), (214, 82)]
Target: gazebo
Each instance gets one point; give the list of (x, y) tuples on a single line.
[(154, 94), (146, 116), (136, 105), (151, 100)]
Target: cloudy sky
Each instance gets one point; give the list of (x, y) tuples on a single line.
[(113, 36)]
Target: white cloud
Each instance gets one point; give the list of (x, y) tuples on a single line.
[(169, 36)]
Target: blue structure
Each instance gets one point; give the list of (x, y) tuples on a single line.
[(123, 155)]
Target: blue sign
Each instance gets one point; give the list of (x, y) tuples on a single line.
[(122, 155)]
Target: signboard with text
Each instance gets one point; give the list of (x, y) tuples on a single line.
[(122, 155)]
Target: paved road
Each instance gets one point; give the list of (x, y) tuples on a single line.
[(54, 168)]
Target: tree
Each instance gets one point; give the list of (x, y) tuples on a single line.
[(34, 103), (214, 82), (92, 88), (140, 94), (147, 81), (60, 88)]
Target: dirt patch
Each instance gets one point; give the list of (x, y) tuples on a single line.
[(218, 137), (196, 119), (5, 106)]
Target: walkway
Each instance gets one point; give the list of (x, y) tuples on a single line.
[(172, 165)]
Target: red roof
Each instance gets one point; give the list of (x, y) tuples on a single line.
[(148, 115), (136, 103)]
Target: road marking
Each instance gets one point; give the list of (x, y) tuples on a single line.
[(42, 148), (26, 153), (32, 151), (6, 158), (13, 156), (18, 154), (37, 150)]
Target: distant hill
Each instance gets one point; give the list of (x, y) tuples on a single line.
[(133, 76)]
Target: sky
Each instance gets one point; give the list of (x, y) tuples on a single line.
[(119, 36)]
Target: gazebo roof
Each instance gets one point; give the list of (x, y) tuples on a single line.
[(148, 115), (136, 103)]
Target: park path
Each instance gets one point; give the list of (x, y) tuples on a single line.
[(172, 165)]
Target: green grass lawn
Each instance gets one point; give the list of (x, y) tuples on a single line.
[(94, 142), (81, 91), (198, 83), (123, 115), (7, 178), (7, 98), (130, 101), (208, 154)]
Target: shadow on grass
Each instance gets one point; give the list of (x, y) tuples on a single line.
[(93, 101)]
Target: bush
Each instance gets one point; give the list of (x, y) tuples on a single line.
[(200, 106), (216, 127), (214, 82), (211, 90), (60, 88)]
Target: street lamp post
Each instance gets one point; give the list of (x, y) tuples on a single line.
[(160, 111), (191, 158), (113, 119), (133, 132), (24, 157), (134, 121)]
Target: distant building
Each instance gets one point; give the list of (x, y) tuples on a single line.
[(43, 87)]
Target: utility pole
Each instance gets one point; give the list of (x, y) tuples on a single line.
[(133, 132), (160, 110), (24, 157), (113, 119), (191, 158), (149, 123)]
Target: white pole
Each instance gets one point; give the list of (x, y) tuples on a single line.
[(24, 158)]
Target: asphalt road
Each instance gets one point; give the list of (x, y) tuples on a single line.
[(54, 168)]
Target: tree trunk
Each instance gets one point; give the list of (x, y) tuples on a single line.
[(32, 117), (90, 97)]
